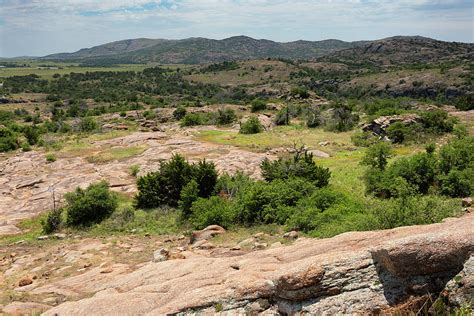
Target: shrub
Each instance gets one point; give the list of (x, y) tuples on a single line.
[(87, 124), (32, 134), (90, 206), (212, 211), (134, 170), (232, 186), (25, 147), (192, 119), (225, 116), (53, 221), (283, 117), (189, 194), (164, 186), (251, 126), (413, 210), (457, 183), (205, 175), (300, 165), (300, 92), (258, 105), (265, 202), (342, 119), (179, 113), (8, 140), (50, 158), (363, 139), (313, 117), (437, 122), (398, 132), (377, 156)]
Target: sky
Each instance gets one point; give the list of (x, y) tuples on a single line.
[(41, 27)]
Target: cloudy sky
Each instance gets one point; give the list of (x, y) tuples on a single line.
[(40, 27)]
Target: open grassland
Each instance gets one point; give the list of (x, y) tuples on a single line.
[(282, 136), (62, 69)]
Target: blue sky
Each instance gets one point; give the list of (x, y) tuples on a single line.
[(40, 27)]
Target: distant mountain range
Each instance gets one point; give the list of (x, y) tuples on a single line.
[(203, 50)]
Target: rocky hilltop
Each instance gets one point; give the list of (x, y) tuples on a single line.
[(364, 272)]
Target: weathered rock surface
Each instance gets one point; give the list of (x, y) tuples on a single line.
[(362, 272), (27, 180)]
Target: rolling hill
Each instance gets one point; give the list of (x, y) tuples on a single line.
[(394, 50)]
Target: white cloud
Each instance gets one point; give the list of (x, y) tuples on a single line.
[(37, 27)]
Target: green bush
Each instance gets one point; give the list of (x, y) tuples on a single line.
[(189, 194), (192, 119), (299, 92), (8, 140), (50, 158), (377, 156), (398, 132), (413, 210), (449, 172), (225, 116), (53, 221), (363, 139), (214, 210), (232, 186), (251, 126), (134, 170), (301, 164), (87, 124), (313, 117), (266, 202), (342, 119), (25, 147), (283, 117), (164, 186), (258, 105), (179, 113), (437, 122), (90, 206), (457, 183), (32, 134)]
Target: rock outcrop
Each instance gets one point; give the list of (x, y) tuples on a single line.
[(353, 273)]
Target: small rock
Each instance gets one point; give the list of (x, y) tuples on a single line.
[(236, 248), (323, 144), (45, 237), (59, 236), (13, 255), (291, 235), (207, 233), (235, 266), (182, 237), (276, 245), (247, 242), (26, 280), (466, 202), (203, 244), (87, 265), (161, 255), (107, 270), (259, 246), (259, 235), (180, 248)]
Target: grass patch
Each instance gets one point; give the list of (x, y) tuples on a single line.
[(280, 136), (116, 153)]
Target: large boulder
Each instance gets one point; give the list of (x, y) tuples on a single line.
[(206, 233), (353, 273), (380, 125)]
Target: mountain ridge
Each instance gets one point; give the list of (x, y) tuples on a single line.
[(199, 50)]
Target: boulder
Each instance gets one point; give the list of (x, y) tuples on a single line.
[(353, 273), (161, 255), (380, 125), (466, 202), (24, 281), (207, 233)]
